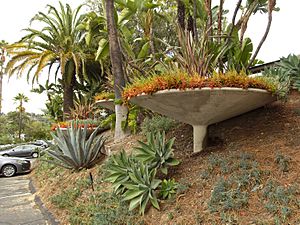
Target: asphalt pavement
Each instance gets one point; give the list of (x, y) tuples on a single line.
[(17, 203)]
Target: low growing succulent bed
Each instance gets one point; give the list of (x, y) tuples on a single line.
[(91, 124), (105, 96), (182, 81)]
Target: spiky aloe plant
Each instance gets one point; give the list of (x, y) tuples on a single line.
[(157, 151), (75, 150), (141, 188)]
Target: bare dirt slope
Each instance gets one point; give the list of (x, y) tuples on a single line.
[(248, 174), (268, 139)]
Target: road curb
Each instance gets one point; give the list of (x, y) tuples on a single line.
[(48, 215)]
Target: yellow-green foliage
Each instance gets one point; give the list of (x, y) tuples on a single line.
[(104, 96), (181, 80)]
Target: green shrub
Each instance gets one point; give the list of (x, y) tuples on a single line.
[(130, 123), (157, 123), (75, 150)]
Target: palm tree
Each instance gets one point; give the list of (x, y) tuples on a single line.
[(20, 98), (59, 41), (117, 69)]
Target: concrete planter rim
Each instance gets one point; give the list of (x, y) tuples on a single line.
[(105, 100), (204, 89)]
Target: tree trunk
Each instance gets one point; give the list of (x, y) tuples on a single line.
[(271, 7), (20, 119), (117, 69), (20, 125), (68, 86), (181, 14), (190, 25), (195, 20), (207, 4)]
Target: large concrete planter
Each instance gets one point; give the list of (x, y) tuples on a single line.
[(202, 107), (107, 104)]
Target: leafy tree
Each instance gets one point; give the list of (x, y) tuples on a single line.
[(6, 136), (36, 130), (54, 104), (2, 61), (20, 99), (58, 41), (33, 127)]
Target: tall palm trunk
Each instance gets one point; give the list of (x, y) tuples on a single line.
[(181, 14), (68, 88), (20, 119), (117, 69)]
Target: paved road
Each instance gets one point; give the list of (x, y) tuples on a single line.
[(17, 205)]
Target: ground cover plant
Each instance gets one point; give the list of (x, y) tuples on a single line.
[(182, 81), (72, 198), (157, 123)]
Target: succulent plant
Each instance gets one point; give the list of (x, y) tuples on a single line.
[(118, 170), (157, 152), (168, 188), (75, 150), (141, 188)]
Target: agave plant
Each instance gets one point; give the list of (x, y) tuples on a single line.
[(118, 170), (75, 150), (141, 188), (168, 188), (157, 151)]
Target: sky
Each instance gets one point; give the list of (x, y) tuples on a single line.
[(15, 15)]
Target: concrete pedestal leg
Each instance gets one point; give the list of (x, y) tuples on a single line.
[(199, 137)]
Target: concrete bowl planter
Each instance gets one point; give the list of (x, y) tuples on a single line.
[(205, 106), (107, 104)]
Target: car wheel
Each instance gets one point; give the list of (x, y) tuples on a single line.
[(9, 170), (5, 155), (35, 155)]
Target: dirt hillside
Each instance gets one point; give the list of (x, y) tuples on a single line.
[(248, 174)]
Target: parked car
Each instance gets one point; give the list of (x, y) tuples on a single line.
[(10, 166), (40, 143), (22, 151)]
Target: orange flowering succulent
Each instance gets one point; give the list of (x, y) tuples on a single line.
[(67, 124), (181, 80)]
